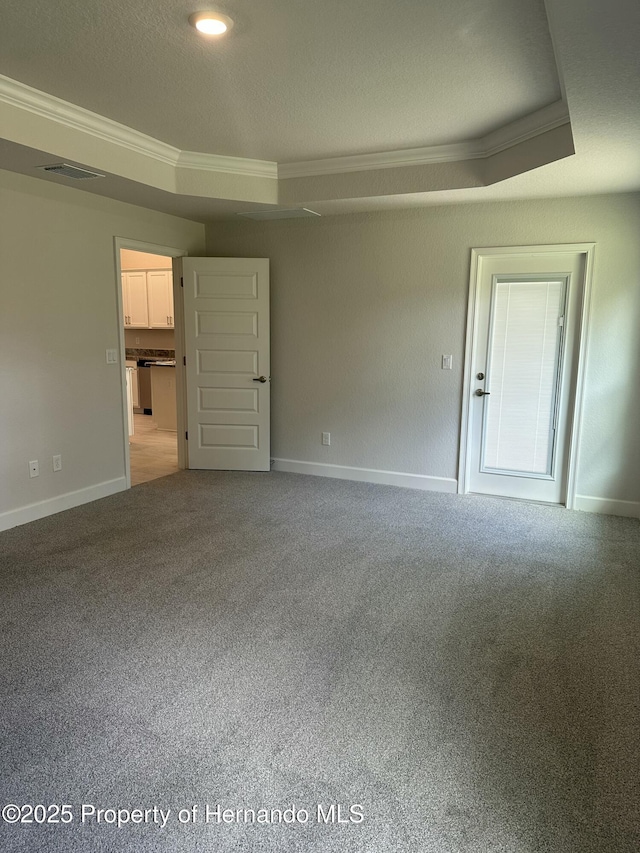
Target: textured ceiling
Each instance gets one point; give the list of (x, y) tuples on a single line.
[(295, 79), (300, 80)]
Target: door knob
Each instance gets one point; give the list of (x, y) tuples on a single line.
[(481, 393), (260, 379)]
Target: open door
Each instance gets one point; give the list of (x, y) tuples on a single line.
[(226, 322)]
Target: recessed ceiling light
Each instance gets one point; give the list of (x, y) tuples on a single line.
[(211, 23)]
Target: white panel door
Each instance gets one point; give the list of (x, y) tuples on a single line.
[(226, 309), (524, 367)]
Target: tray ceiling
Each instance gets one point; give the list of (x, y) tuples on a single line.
[(340, 105), (293, 80)]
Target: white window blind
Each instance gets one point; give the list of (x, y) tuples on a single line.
[(522, 375)]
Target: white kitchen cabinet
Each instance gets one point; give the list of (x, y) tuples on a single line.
[(160, 297), (147, 299), (134, 300)]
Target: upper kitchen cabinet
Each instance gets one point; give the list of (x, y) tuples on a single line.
[(134, 299), (147, 299), (160, 296)]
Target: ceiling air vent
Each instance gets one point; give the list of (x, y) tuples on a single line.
[(293, 213), (68, 171)]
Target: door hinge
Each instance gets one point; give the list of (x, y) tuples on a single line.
[(186, 435), (561, 321), (184, 360), (181, 282)]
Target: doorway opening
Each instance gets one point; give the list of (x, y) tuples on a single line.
[(150, 351), (150, 336)]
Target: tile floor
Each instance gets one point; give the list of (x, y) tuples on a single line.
[(153, 452)]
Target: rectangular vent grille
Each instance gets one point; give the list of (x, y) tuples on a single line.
[(68, 171), (293, 213)]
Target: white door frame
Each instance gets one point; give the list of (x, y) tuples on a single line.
[(170, 252), (582, 333)]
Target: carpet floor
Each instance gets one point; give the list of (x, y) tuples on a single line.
[(378, 670)]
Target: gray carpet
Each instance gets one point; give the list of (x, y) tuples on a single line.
[(465, 669)]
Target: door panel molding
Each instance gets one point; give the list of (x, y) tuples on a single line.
[(478, 258), (226, 311)]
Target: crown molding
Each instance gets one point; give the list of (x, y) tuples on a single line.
[(54, 109), (384, 160), (69, 115), (77, 118), (528, 127), (228, 165)]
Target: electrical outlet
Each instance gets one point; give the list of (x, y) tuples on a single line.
[(112, 356), (326, 438), (34, 468), (447, 362), (57, 462), (137, 340)]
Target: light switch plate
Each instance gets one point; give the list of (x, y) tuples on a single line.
[(112, 356), (447, 362)]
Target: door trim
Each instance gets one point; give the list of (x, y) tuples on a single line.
[(170, 252), (582, 332)]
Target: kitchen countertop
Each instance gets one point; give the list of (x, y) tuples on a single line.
[(139, 353)]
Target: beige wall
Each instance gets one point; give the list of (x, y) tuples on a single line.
[(150, 338), (131, 260), (59, 315), (364, 306)]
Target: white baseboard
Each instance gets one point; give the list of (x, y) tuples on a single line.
[(584, 503), (368, 475), (32, 512), (628, 509)]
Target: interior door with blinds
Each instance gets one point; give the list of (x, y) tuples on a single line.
[(523, 375)]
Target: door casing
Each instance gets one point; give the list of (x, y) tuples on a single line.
[(175, 254), (582, 334)]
